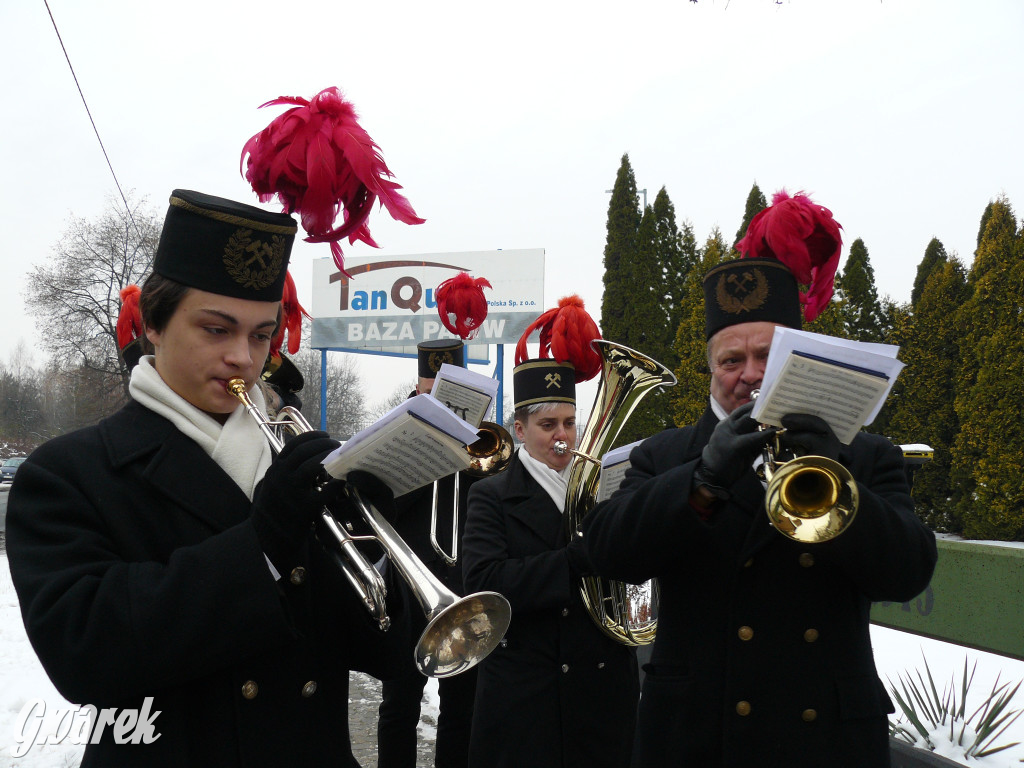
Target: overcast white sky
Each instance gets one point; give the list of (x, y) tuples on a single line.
[(506, 122)]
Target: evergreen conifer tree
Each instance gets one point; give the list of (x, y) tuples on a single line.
[(619, 251), (831, 321), (924, 394), (984, 221), (677, 254), (863, 312), (934, 258), (987, 453), (756, 203), (689, 397), (895, 330), (644, 328)]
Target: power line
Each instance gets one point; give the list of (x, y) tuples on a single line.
[(89, 113)]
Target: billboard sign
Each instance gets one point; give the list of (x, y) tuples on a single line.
[(388, 304)]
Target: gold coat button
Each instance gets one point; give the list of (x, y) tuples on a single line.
[(565, 667), (809, 715), (298, 576), (743, 708), (250, 689), (309, 689), (806, 559), (811, 635), (565, 611), (745, 633)]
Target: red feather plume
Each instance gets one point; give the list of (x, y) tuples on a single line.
[(291, 319), (461, 304), (129, 319), (565, 335), (803, 236), (319, 162)]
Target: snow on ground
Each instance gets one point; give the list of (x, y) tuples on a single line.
[(22, 680)]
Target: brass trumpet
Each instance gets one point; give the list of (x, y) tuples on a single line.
[(489, 455), (810, 499), (460, 632)]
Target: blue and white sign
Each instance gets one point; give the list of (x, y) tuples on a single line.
[(388, 303)]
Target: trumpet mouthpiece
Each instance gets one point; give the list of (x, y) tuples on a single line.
[(236, 386), (561, 447)]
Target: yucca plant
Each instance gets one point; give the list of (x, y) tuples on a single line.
[(930, 714)]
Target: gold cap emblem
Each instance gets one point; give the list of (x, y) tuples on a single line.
[(437, 359), (743, 292), (251, 262)]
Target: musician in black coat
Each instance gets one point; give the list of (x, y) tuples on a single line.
[(763, 652), (164, 559), (556, 692), (399, 712)]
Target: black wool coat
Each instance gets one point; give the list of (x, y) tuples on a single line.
[(763, 652), (556, 692), (139, 574)]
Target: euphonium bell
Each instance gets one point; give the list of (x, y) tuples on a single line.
[(627, 613)]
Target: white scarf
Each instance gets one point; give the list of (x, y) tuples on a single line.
[(238, 447), (554, 482)]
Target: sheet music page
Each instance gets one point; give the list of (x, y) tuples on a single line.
[(406, 454), (844, 397), (467, 393), (613, 469), (427, 408), (862, 354)]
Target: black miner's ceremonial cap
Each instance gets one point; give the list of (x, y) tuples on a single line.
[(749, 291), (433, 354), (543, 381), (224, 247)]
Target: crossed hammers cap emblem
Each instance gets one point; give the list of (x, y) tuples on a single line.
[(553, 380)]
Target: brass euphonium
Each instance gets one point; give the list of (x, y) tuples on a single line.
[(461, 631), (810, 499), (490, 454), (627, 613)]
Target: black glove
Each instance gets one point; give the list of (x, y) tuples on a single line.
[(289, 497), (579, 560), (730, 451), (809, 435)]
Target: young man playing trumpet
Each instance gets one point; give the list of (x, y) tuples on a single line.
[(164, 558)]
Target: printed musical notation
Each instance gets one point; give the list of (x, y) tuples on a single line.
[(844, 382), (467, 393), (414, 444)]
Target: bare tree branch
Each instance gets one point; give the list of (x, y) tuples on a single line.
[(75, 295)]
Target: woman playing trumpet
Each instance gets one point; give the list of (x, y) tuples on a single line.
[(558, 692)]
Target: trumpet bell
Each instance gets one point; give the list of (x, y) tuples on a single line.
[(811, 499), (461, 635), (492, 450)]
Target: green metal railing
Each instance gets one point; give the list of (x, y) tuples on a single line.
[(975, 599)]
